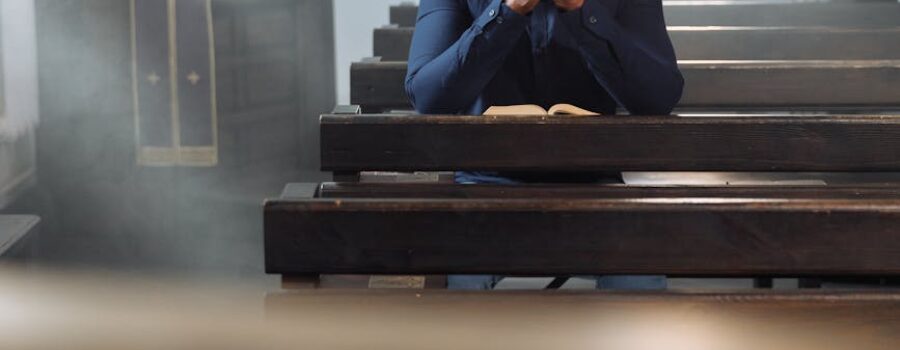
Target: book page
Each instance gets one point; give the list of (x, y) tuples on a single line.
[(567, 109), (515, 110)]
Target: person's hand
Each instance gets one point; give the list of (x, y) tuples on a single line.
[(522, 7), (569, 5)]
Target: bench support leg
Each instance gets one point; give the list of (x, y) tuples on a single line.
[(763, 283), (296, 282), (809, 283)]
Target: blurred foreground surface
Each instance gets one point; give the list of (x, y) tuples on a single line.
[(79, 311)]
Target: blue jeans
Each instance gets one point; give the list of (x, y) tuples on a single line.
[(487, 282)]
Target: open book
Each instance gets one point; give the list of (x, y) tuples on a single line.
[(560, 109)]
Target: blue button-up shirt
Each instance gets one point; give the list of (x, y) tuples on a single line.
[(468, 55)]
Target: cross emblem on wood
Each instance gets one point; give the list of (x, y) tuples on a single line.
[(194, 78), (153, 78)]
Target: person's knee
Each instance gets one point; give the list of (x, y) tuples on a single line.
[(632, 282)]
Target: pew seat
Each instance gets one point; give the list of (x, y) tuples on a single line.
[(392, 43), (841, 13), (723, 85), (535, 229), (697, 234)]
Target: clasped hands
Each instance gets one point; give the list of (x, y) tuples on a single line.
[(523, 7)]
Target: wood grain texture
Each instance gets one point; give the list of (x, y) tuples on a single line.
[(451, 191), (753, 13), (785, 43), (834, 13), (790, 83), (379, 86), (672, 236), (622, 143), (730, 43)]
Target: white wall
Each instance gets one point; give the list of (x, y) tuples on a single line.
[(354, 22)]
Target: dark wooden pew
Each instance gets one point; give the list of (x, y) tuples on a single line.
[(392, 43), (17, 237), (786, 43), (404, 15), (883, 13), (337, 190), (614, 143), (779, 84), (553, 229), (731, 43), (782, 13), (678, 236), (717, 85)]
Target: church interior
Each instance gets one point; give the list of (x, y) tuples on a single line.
[(245, 174)]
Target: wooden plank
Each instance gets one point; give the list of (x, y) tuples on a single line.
[(672, 236), (621, 143), (378, 86), (731, 43), (785, 43), (16, 236), (451, 191), (844, 14), (404, 15), (392, 43), (752, 13), (790, 83)]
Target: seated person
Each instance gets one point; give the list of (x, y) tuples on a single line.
[(469, 55)]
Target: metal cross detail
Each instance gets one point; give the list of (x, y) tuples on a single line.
[(153, 78), (194, 78)]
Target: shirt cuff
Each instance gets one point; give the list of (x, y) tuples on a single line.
[(498, 14), (593, 17)]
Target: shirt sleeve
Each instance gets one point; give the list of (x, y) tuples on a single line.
[(453, 57), (630, 54)]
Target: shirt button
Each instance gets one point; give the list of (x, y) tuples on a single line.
[(593, 20), (492, 13), (499, 20)]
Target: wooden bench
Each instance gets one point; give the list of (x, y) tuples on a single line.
[(17, 236), (768, 13), (710, 85), (391, 43), (552, 229)]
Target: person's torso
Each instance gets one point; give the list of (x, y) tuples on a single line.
[(545, 67)]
